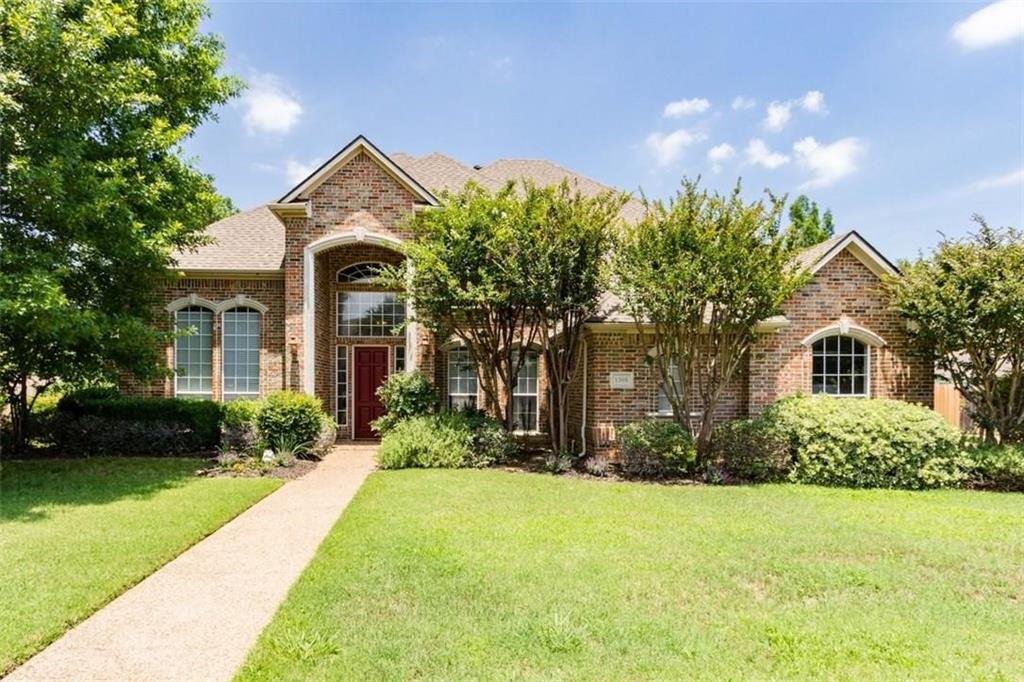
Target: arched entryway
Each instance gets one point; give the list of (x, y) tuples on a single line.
[(358, 334)]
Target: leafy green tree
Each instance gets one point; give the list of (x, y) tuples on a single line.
[(574, 242), (96, 98), (965, 304), (698, 275), (807, 226), (469, 273)]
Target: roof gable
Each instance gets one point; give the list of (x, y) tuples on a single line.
[(820, 255), (360, 144)]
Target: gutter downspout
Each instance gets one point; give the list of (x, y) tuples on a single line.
[(583, 420)]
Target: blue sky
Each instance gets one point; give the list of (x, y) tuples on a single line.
[(904, 119)]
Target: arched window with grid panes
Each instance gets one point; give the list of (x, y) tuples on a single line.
[(841, 366), (193, 352), (240, 353)]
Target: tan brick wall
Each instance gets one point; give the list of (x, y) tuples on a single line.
[(611, 408), (269, 292), (780, 365)]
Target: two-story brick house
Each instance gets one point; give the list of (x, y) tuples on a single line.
[(284, 298)]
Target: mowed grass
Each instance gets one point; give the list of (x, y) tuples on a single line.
[(492, 575), (76, 533)]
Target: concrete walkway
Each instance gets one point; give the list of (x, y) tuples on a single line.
[(197, 617)]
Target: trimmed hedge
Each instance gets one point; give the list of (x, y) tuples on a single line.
[(999, 467), (200, 419), (655, 448), (857, 443)]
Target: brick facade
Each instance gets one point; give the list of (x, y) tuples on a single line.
[(780, 365), (362, 197)]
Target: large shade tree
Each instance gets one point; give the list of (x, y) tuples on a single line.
[(965, 303), (698, 275), (96, 98)]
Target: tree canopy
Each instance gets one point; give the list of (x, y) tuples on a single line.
[(697, 275), (965, 303), (807, 226), (96, 98)]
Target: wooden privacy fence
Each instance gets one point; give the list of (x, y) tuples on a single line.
[(947, 403)]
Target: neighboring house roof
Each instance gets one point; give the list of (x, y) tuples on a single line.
[(813, 259), (251, 241)]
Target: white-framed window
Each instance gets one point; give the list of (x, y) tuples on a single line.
[(370, 314), (399, 359), (525, 414), (341, 413), (193, 352), (359, 273), (240, 353), (841, 365), (462, 380), (662, 404)]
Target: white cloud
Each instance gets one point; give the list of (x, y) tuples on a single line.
[(995, 24), (269, 106), (777, 115), (667, 149), (740, 102), (828, 162), (1011, 179), (297, 171), (719, 154), (758, 154), (686, 107), (813, 101)]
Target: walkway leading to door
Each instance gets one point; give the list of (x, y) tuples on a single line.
[(198, 616)]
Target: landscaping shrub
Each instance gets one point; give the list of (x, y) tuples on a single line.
[(999, 467), (288, 417), (190, 425), (238, 427), (446, 440), (655, 448), (405, 395), (749, 451), (441, 440), (866, 443)]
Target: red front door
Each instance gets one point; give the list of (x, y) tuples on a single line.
[(371, 369)]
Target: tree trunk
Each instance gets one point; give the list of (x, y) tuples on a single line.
[(17, 400)]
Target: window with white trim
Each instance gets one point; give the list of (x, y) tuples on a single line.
[(342, 386), (240, 354), (359, 273), (840, 366), (370, 314), (399, 359), (524, 398), (462, 380), (663, 406), (193, 352)]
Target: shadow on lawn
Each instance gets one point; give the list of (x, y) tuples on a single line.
[(30, 489)]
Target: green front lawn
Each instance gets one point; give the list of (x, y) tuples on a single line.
[(493, 575), (76, 533)]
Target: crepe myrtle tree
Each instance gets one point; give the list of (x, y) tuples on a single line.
[(468, 272), (95, 100), (573, 242), (965, 305), (697, 275)]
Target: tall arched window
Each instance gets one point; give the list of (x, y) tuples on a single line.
[(193, 352), (240, 354), (841, 366)]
